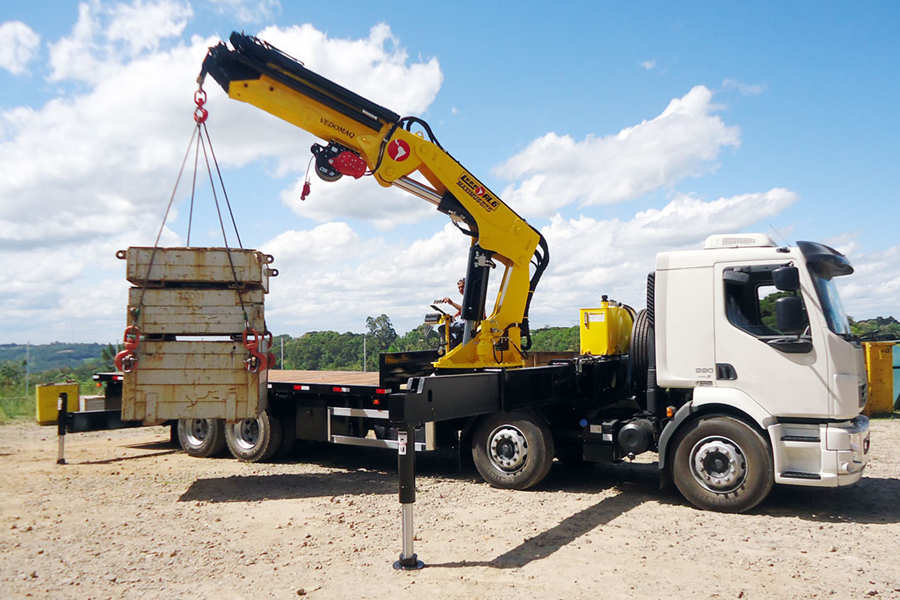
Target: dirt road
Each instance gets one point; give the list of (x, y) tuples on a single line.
[(130, 517)]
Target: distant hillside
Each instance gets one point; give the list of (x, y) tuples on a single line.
[(51, 356)]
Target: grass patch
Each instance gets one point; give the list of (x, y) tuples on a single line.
[(16, 407)]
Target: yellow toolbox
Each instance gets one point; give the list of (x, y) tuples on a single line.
[(879, 370), (48, 397), (606, 331)]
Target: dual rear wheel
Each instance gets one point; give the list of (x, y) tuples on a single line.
[(248, 440)]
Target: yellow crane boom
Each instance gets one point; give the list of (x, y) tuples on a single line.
[(365, 139)]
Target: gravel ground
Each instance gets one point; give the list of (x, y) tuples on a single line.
[(130, 517)]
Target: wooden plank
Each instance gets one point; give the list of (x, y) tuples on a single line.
[(319, 377), (208, 265), (192, 377), (209, 298), (182, 311), (180, 356)]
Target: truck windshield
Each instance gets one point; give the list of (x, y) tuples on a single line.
[(830, 299)]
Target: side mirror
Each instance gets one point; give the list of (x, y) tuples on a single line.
[(789, 315), (786, 279)]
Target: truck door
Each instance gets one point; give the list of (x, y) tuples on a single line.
[(786, 379)]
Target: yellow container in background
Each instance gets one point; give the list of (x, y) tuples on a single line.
[(48, 397), (606, 331), (880, 373)]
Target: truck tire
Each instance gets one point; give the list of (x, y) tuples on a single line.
[(254, 440), (512, 450), (202, 438), (722, 464)]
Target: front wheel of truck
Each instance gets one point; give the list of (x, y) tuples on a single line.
[(254, 440), (202, 438), (722, 464)]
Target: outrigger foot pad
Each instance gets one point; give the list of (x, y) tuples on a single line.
[(409, 564)]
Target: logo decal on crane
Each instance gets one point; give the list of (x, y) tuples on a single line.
[(477, 192), (398, 150)]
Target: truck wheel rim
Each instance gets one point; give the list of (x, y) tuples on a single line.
[(198, 431), (718, 464), (246, 433), (508, 449)]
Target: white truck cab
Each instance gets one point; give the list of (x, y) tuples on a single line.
[(758, 334)]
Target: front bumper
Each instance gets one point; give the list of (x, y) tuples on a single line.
[(821, 455)]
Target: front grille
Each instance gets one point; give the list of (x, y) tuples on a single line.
[(863, 394)]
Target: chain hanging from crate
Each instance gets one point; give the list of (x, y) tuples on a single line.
[(259, 358)]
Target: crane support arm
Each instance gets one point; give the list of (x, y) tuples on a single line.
[(364, 138)]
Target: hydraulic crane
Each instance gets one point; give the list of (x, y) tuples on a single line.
[(365, 139)]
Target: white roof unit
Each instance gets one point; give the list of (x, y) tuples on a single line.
[(738, 240)]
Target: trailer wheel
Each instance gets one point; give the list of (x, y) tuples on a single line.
[(512, 450), (202, 438), (723, 464), (254, 440)]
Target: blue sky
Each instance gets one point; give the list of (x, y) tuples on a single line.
[(619, 129)]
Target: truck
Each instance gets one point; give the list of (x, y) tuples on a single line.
[(740, 373)]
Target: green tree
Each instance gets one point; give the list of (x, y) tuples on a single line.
[(108, 356), (423, 337), (877, 329), (556, 339), (379, 338), (12, 374)]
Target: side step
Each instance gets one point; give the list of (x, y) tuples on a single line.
[(371, 443), (800, 475)]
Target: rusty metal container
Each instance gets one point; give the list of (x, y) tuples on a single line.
[(209, 292), (192, 380), (189, 311), (205, 266)]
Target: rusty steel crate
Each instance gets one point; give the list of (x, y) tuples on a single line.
[(192, 380), (192, 311), (209, 267)]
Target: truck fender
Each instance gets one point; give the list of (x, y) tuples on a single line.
[(708, 400), (466, 462)]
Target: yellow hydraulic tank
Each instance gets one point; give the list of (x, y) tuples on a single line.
[(606, 331), (879, 370), (47, 397)]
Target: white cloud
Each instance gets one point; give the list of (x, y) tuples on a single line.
[(248, 11), (591, 257), (95, 167), (375, 67), (359, 199), (107, 36), (683, 141), (333, 277), (874, 287), (143, 25), (20, 46), (100, 162), (649, 65), (744, 89)]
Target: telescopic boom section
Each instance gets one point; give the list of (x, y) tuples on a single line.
[(366, 138)]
